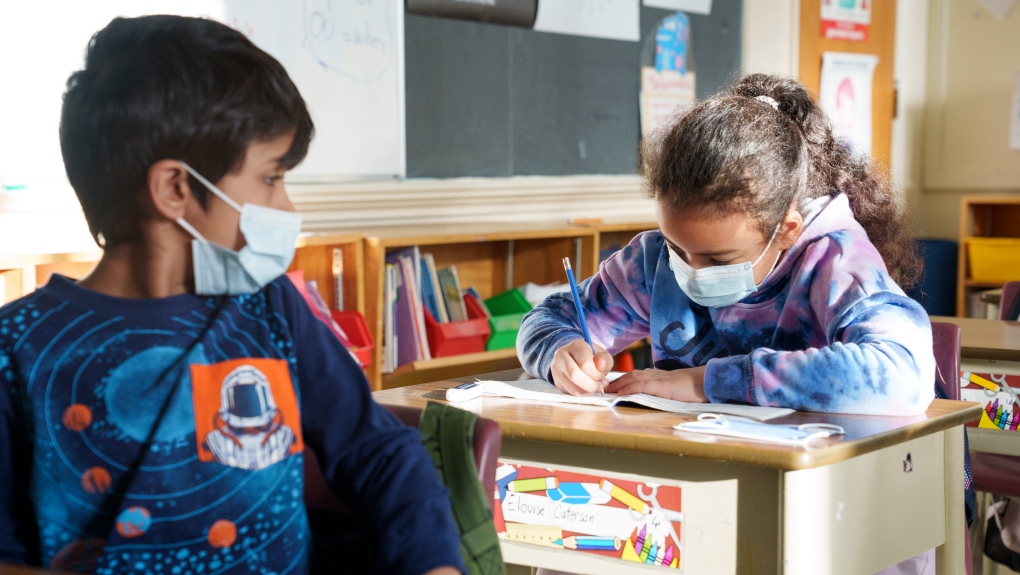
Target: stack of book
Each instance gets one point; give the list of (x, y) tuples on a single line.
[(415, 288)]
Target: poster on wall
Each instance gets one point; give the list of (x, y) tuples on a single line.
[(667, 88), (610, 19), (689, 6), (846, 19), (845, 96)]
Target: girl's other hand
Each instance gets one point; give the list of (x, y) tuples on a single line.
[(576, 371), (680, 384)]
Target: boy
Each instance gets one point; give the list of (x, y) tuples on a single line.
[(153, 416)]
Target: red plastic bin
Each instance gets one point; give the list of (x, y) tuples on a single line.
[(458, 337), (354, 325)]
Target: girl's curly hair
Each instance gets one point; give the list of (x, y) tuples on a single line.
[(737, 150)]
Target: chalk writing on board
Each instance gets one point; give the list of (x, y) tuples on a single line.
[(354, 38)]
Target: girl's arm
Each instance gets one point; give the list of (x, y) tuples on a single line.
[(878, 359), (616, 304)]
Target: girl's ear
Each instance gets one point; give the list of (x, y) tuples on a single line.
[(790, 230), (168, 188)]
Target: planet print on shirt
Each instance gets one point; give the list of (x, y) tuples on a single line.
[(133, 522), (77, 417), (96, 480), (222, 534)]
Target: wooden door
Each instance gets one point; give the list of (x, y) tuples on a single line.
[(881, 42)]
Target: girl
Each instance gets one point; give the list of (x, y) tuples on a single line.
[(772, 279)]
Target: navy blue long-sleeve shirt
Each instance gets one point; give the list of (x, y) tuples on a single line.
[(245, 384)]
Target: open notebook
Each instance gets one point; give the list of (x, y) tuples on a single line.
[(541, 390)]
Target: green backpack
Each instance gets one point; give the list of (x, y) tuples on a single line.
[(448, 433)]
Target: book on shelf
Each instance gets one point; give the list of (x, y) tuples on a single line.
[(450, 286), (389, 344), (430, 296), (408, 326)]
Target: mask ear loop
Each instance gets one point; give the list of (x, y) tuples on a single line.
[(212, 188)]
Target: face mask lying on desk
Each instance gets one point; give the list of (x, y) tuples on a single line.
[(745, 429)]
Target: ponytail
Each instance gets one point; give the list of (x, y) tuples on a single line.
[(835, 169), (749, 148)]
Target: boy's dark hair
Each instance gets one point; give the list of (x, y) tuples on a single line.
[(169, 87), (736, 151)]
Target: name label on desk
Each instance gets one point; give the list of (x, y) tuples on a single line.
[(609, 516)]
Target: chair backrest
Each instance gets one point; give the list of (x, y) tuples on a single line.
[(946, 343), (1010, 300), (487, 441)]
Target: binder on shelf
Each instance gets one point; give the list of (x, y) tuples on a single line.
[(459, 337)]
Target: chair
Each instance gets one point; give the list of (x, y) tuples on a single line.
[(1010, 296), (487, 441), (946, 346)]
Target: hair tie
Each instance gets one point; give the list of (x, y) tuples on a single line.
[(768, 100)]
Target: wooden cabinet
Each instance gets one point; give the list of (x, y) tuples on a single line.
[(315, 257), (492, 258), (21, 275), (982, 217)]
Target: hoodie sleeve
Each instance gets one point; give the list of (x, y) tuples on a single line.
[(616, 303), (878, 355)]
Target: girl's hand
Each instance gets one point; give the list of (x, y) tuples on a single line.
[(680, 384), (576, 371)]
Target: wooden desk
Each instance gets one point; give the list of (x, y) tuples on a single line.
[(987, 339), (989, 347), (844, 506)]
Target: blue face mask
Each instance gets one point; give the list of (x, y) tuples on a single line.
[(718, 286), (269, 236)]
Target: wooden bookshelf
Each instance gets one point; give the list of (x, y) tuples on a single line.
[(620, 233), (982, 217), (22, 274), (314, 256), (491, 257)]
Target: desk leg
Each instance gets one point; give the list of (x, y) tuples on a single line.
[(949, 557)]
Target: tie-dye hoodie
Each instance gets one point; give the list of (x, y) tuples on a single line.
[(828, 330)]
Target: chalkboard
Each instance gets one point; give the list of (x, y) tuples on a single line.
[(494, 101)]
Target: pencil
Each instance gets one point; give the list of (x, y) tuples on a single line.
[(580, 313), (591, 543)]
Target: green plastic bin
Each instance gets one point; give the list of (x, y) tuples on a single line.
[(507, 309)]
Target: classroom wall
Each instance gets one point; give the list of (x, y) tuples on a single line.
[(972, 59), (770, 37)]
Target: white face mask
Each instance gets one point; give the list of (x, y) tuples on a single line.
[(269, 236), (718, 286)]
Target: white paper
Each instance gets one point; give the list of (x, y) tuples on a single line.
[(541, 390), (846, 96), (613, 19), (689, 6), (1014, 123), (998, 8)]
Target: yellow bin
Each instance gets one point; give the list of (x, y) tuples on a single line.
[(994, 259)]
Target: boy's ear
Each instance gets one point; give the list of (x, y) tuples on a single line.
[(790, 230), (168, 188)]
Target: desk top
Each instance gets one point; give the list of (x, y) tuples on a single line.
[(986, 338), (651, 431)]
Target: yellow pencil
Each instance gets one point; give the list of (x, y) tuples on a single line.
[(624, 497)]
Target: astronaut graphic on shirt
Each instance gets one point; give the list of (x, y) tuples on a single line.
[(249, 431)]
